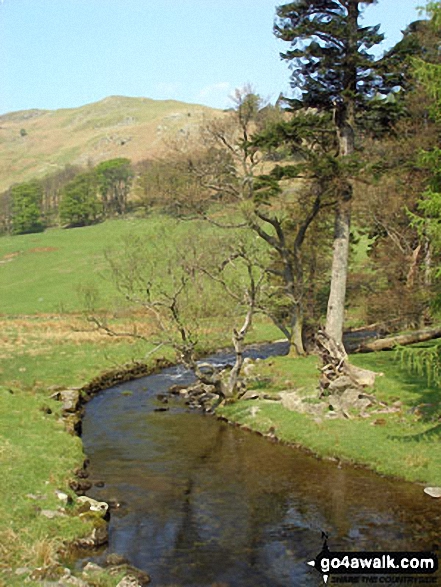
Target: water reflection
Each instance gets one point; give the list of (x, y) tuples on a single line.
[(205, 503)]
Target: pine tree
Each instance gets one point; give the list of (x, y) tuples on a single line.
[(333, 71)]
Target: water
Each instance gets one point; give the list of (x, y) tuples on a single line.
[(204, 503)]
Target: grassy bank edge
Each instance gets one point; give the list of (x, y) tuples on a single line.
[(402, 444), (358, 442)]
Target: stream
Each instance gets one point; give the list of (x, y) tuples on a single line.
[(206, 504)]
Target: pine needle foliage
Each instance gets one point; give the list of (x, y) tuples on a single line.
[(424, 362)]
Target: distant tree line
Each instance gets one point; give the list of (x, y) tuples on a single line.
[(70, 197)]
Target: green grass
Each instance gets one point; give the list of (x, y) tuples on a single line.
[(43, 273), (36, 457), (404, 444), (43, 344)]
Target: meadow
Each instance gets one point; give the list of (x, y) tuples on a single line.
[(47, 344)]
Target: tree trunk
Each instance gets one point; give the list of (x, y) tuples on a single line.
[(337, 295), (344, 123), (296, 348), (238, 342), (343, 116), (386, 344)]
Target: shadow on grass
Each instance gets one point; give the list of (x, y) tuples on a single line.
[(400, 383), (430, 434)]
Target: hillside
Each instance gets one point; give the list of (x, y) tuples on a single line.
[(36, 142)]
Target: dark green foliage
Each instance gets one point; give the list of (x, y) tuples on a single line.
[(329, 56), (26, 208), (114, 181), (332, 66), (79, 204)]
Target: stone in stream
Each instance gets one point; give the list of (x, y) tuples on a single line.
[(114, 559), (433, 491), (80, 486), (88, 504)]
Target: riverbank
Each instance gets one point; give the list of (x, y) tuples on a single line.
[(399, 437), (42, 355), (40, 460), (40, 456)]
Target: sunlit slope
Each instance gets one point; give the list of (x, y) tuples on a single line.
[(36, 142)]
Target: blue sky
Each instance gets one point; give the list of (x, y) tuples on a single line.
[(66, 53)]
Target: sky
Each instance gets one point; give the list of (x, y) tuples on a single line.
[(67, 53)]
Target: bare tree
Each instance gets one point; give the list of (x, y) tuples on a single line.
[(196, 280)]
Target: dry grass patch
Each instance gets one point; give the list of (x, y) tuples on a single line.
[(37, 334)]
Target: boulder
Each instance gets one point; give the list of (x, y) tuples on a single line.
[(87, 504), (70, 399), (340, 384)]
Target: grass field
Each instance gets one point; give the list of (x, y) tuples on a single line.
[(44, 273), (45, 343)]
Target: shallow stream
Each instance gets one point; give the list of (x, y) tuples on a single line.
[(206, 504)]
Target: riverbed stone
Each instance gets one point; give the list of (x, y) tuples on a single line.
[(80, 486), (72, 422), (129, 581), (87, 504), (433, 491), (251, 394), (131, 573), (92, 568), (98, 537), (114, 559)]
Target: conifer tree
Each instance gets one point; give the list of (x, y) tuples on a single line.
[(333, 71)]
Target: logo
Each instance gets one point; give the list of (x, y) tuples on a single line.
[(357, 564)]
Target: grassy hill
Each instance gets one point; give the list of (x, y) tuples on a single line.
[(36, 142)]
